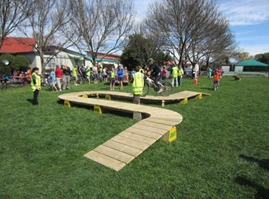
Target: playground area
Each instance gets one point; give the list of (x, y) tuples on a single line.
[(221, 149)]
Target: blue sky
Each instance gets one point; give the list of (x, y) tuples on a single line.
[(249, 21)]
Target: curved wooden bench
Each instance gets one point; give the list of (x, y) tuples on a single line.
[(124, 147)]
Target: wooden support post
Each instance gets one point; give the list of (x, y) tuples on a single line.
[(67, 103), (184, 101), (163, 102), (170, 135), (137, 116), (97, 109), (107, 96), (199, 96), (97, 95)]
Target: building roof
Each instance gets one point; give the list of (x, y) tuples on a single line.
[(18, 45), (251, 62)]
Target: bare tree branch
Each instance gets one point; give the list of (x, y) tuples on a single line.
[(12, 14), (101, 25), (46, 23)]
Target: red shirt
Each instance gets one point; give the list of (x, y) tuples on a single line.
[(59, 73), (164, 72)]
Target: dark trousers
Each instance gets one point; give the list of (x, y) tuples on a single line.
[(36, 92)]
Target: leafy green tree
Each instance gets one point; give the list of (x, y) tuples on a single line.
[(263, 57), (6, 69), (20, 63), (140, 49)]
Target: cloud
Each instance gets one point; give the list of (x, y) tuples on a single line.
[(141, 7), (256, 49), (245, 12)]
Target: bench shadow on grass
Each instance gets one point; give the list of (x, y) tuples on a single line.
[(261, 191)]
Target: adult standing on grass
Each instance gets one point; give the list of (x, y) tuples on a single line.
[(88, 74), (112, 79), (138, 83), (105, 74), (120, 77), (59, 77), (35, 84), (175, 76), (75, 75), (180, 75), (66, 77)]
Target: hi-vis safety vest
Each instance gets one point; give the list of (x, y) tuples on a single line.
[(75, 72), (112, 74), (138, 83), (180, 72), (37, 79), (88, 72), (174, 72)]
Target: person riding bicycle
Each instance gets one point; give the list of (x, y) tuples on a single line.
[(155, 72)]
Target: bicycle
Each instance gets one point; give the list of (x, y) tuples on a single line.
[(166, 88)]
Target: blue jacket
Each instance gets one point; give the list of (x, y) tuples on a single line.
[(120, 73)]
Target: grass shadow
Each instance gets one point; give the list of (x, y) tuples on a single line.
[(263, 163), (30, 101), (261, 192), (206, 88)]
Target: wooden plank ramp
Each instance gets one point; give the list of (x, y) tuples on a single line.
[(120, 150), (176, 97)]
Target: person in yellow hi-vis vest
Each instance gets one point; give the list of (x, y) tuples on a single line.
[(35, 84), (138, 82), (180, 75), (112, 79), (88, 74), (75, 75), (174, 76)]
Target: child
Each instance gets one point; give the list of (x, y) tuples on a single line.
[(112, 79), (216, 78), (53, 80)]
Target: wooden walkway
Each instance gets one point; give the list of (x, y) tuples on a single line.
[(127, 145)]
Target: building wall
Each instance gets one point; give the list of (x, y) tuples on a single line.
[(238, 68)]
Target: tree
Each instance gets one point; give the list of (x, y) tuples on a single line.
[(17, 62), (12, 14), (6, 69), (263, 57), (139, 49), (189, 28), (101, 26), (242, 56), (20, 63), (46, 24)]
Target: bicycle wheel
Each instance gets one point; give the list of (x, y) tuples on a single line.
[(167, 88), (145, 90)]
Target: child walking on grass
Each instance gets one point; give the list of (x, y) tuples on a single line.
[(216, 78)]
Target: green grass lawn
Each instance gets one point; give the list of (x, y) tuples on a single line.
[(222, 149)]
